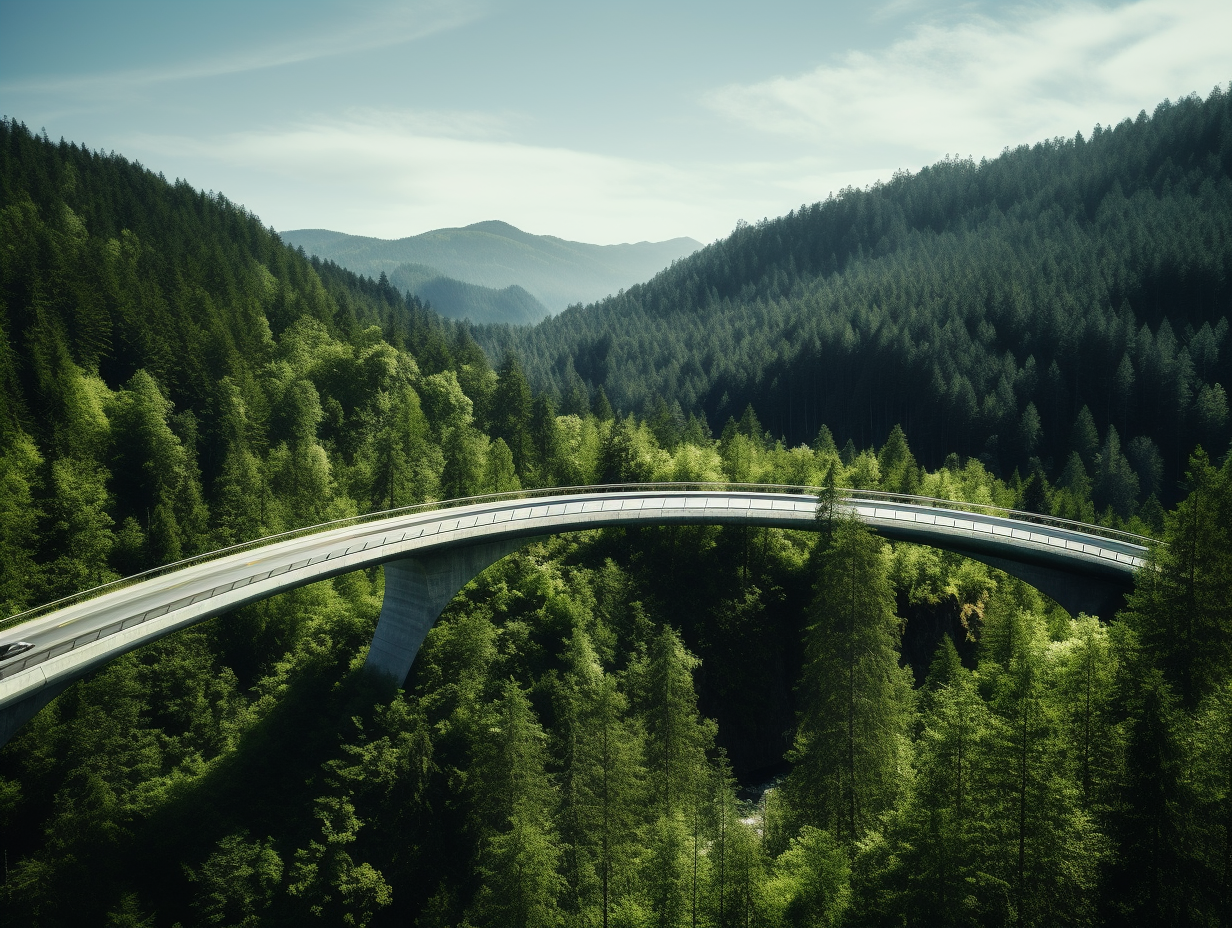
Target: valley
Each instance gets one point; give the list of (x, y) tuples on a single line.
[(671, 719)]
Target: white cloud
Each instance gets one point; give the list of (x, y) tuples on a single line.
[(975, 86), (361, 30), (970, 86), (396, 174)]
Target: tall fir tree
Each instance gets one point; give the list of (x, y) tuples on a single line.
[(851, 743)]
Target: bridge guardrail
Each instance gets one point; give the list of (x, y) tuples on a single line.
[(549, 492)]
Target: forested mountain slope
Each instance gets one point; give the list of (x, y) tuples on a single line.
[(171, 375), (495, 254), (954, 748), (982, 306), (455, 299)]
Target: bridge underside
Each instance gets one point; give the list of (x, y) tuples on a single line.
[(1073, 593), (428, 557), (417, 590)]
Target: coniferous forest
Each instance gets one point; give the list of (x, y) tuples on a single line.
[(1013, 310), (678, 726)]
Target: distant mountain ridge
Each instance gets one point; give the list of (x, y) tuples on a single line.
[(457, 299), (493, 254)]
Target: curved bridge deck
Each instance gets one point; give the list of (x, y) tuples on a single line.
[(1080, 566)]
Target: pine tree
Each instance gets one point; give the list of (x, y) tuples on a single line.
[(1181, 606), (155, 474), (899, 473), (545, 440), (1043, 845), (855, 699), (518, 864), (677, 740), (603, 783), (617, 457), (1213, 809), (1151, 877), (943, 830), (511, 412), (676, 737), (1085, 694)]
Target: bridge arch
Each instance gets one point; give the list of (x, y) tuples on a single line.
[(430, 553)]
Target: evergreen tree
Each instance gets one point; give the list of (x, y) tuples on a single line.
[(602, 408), (521, 886), (811, 882), (1045, 848), (617, 457), (19, 517), (1151, 878), (944, 871), (511, 412), (155, 475), (545, 440), (1116, 484), (1213, 805), (1181, 606), (677, 740), (603, 784), (850, 744), (499, 475), (676, 737), (899, 473), (1086, 693)]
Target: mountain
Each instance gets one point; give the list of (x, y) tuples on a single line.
[(1067, 297), (494, 254), (174, 378), (455, 299)]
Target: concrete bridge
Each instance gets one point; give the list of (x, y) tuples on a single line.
[(430, 552)]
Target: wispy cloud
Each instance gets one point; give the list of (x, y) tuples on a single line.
[(362, 30), (392, 174), (974, 86)]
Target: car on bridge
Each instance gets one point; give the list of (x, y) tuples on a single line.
[(13, 648)]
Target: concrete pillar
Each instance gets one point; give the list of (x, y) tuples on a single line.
[(417, 590), (16, 714)]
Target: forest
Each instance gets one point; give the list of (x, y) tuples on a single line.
[(654, 727), (990, 309)]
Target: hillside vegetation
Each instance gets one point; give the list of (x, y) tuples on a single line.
[(1071, 296), (569, 747)]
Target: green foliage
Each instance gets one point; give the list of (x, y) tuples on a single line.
[(173, 378), (811, 884), (983, 305), (19, 519), (850, 746), (603, 784), (1045, 849), (1182, 609), (237, 882)]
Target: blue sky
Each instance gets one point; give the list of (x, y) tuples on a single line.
[(595, 122)]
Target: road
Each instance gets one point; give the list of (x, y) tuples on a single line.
[(71, 641)]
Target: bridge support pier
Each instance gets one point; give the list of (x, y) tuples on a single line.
[(417, 590), (16, 714)]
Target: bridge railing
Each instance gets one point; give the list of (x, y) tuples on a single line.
[(549, 492)]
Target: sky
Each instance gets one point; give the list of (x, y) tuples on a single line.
[(597, 122)]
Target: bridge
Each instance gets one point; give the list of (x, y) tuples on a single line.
[(430, 552)]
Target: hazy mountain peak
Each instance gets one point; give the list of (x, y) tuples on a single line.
[(495, 254), (503, 229)]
